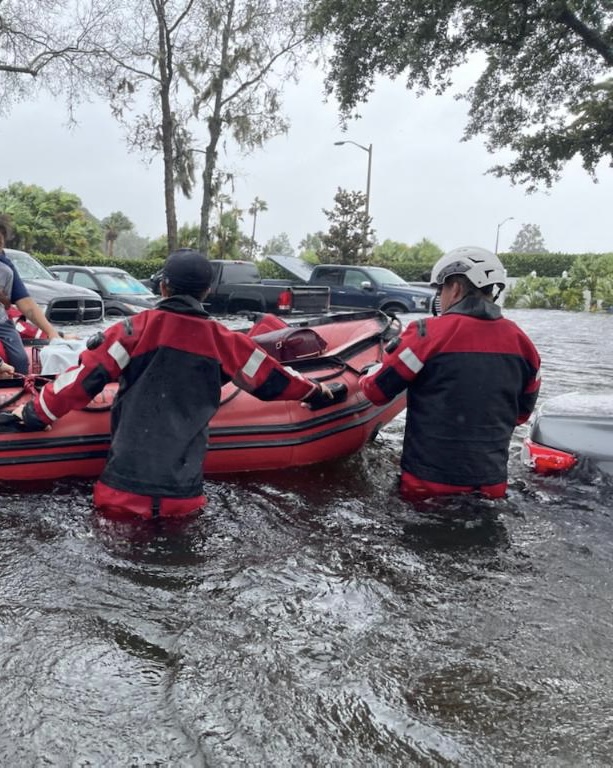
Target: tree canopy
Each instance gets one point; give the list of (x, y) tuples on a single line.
[(544, 89), (113, 225), (280, 244), (49, 44), (349, 237), (209, 69), (529, 239), (413, 262), (256, 207), (50, 222)]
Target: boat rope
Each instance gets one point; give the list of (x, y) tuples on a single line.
[(31, 383)]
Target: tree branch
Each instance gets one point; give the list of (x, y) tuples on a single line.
[(260, 76), (589, 36)]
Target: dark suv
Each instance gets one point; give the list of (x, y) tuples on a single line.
[(61, 303), (121, 292)]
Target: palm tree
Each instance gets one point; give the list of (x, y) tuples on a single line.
[(256, 206), (113, 225), (222, 200)]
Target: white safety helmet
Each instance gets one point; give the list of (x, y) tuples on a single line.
[(480, 266)]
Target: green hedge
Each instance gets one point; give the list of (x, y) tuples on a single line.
[(544, 264), (143, 268), (413, 272), (139, 268), (516, 264)]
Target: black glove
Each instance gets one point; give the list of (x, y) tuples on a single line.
[(30, 421), (317, 399), (9, 422)]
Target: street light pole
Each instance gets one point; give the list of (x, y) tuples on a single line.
[(367, 149), (498, 231)]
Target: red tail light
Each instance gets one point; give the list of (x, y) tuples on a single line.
[(545, 460), (284, 301)]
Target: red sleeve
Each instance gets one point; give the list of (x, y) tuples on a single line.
[(398, 367), (78, 385), (241, 359), (255, 371)]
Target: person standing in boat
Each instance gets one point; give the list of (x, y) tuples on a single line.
[(13, 291), (471, 376), (170, 362)]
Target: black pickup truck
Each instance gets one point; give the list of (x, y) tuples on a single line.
[(238, 287), (361, 287)]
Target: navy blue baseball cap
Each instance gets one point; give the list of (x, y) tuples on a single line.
[(187, 271)]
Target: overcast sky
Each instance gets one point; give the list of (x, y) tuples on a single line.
[(425, 182)]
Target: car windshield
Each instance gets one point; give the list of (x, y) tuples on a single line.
[(386, 276), (122, 284), (28, 268)]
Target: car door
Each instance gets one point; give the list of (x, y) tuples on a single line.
[(352, 292), (63, 274), (85, 281)]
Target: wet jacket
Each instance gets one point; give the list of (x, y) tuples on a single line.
[(471, 376), (170, 363)]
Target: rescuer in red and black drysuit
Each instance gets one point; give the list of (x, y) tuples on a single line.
[(170, 362), (471, 376)]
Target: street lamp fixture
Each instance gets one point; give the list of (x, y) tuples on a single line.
[(367, 149), (509, 218)]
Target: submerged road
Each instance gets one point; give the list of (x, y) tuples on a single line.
[(312, 618)]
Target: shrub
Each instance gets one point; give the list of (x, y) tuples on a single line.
[(544, 264), (139, 268), (410, 262), (545, 293)]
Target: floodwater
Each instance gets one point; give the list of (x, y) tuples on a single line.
[(312, 618)]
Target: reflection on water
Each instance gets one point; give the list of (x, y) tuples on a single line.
[(314, 618)]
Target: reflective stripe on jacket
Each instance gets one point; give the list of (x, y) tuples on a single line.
[(170, 363), (472, 376)]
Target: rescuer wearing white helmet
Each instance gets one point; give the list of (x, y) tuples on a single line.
[(471, 376), (481, 269)]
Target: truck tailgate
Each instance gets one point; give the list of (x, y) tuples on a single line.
[(310, 299)]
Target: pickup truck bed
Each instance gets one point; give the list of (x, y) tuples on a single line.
[(238, 287), (361, 287)]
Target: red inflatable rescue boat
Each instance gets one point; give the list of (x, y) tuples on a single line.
[(246, 434)]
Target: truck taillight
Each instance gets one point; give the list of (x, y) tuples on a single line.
[(284, 302)]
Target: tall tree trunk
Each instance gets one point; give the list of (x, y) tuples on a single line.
[(214, 125), (255, 215), (166, 75), (207, 183)]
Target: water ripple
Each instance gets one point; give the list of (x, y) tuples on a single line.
[(312, 618)]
